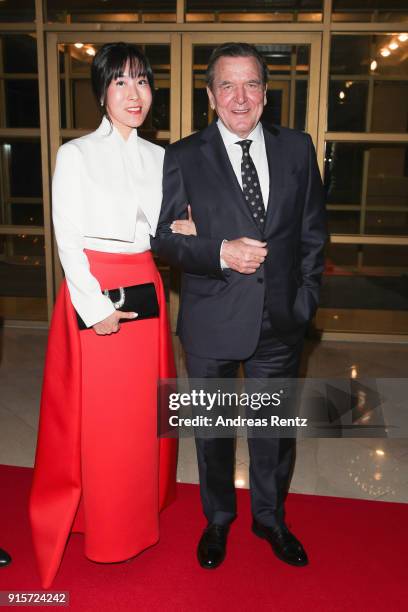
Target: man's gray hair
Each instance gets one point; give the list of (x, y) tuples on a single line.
[(236, 50)]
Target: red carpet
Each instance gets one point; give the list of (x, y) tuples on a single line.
[(357, 549)]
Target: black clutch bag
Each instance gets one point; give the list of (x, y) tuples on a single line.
[(136, 298)]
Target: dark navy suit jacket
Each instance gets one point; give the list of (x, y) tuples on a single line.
[(221, 311)]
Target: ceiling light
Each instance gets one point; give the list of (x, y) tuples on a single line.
[(394, 45), (91, 51), (373, 65), (79, 45), (403, 37), (385, 52)]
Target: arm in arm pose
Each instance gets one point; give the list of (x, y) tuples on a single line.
[(197, 254)]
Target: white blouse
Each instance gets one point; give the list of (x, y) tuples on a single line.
[(106, 196)]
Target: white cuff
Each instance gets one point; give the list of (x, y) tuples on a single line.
[(222, 262)]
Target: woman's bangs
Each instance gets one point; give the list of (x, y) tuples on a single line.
[(134, 64)]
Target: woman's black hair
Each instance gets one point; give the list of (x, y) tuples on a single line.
[(109, 64)]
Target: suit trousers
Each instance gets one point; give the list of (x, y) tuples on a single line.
[(271, 459)]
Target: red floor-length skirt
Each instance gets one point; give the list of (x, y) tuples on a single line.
[(100, 468)]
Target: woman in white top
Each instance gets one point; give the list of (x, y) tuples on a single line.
[(100, 468)]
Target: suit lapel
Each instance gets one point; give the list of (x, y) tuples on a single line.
[(217, 159), (276, 176)]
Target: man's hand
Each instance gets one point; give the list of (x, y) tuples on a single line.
[(244, 255), (110, 325)]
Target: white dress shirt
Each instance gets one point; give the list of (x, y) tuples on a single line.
[(106, 196), (258, 154), (257, 151)]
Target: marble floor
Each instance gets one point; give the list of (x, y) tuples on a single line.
[(367, 468)]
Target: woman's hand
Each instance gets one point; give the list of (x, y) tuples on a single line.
[(184, 226), (110, 325)]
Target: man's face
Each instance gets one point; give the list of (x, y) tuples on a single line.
[(238, 94)]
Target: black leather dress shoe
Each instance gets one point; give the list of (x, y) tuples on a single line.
[(212, 545), (5, 558), (284, 544)]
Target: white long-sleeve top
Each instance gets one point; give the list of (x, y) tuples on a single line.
[(106, 196)]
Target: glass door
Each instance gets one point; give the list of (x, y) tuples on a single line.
[(73, 111)]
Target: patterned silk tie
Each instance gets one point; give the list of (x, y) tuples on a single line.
[(250, 185)]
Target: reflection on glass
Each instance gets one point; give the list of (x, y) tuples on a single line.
[(22, 257), (78, 108), (256, 10), (25, 248), (347, 106), (278, 57), (20, 183), (11, 10), (369, 97), (24, 165), (117, 11), (287, 87), (364, 289), (370, 10), (27, 214), (350, 54), (386, 173), (22, 277), (343, 173), (354, 54)]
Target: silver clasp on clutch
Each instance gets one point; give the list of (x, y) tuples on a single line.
[(121, 299)]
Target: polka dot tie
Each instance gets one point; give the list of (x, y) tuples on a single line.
[(250, 185)]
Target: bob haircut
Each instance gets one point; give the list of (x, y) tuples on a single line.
[(109, 64)]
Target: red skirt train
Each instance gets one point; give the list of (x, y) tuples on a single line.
[(100, 468)]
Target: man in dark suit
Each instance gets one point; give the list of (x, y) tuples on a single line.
[(251, 276)]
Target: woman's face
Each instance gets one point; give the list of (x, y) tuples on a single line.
[(128, 101)]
